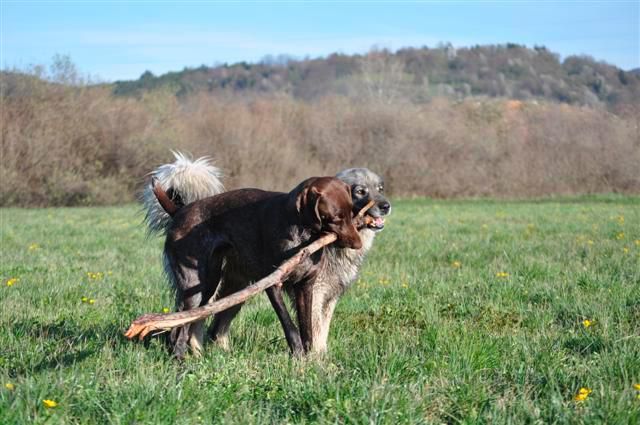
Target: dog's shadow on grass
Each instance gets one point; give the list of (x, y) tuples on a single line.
[(54, 345)]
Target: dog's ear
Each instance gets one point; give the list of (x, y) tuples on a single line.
[(316, 194), (301, 199), (307, 205)]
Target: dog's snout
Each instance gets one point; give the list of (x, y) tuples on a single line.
[(350, 241), (356, 242), (348, 236), (385, 207)]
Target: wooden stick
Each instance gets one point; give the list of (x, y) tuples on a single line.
[(147, 323), (365, 209), (360, 220), (150, 322)]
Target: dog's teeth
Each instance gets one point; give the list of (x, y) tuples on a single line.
[(377, 223)]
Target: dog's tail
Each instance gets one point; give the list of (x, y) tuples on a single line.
[(184, 181)]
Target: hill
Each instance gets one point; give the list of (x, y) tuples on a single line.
[(498, 121), (418, 74)]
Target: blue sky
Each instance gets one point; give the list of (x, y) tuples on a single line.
[(120, 40)]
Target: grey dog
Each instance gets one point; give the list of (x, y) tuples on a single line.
[(343, 264)]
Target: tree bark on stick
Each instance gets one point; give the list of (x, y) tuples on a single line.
[(150, 322)]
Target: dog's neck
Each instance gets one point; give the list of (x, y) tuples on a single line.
[(345, 262)]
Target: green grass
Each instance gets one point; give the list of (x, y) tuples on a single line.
[(416, 340)]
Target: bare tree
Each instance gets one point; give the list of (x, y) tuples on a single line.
[(383, 76)]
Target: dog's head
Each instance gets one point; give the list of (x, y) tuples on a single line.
[(366, 186), (324, 204)]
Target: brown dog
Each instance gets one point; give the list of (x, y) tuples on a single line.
[(241, 236)]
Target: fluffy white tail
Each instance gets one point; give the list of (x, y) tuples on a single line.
[(190, 179)]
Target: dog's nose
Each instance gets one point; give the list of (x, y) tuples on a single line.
[(384, 207)]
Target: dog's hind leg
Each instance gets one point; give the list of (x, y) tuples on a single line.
[(210, 276), (219, 329), (188, 296), (195, 281)]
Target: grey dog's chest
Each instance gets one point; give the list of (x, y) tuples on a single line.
[(342, 265)]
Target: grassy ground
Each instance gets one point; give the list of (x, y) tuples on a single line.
[(466, 312)]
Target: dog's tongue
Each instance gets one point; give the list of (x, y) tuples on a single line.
[(378, 221)]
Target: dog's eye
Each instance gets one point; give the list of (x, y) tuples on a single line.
[(380, 189), (361, 191)]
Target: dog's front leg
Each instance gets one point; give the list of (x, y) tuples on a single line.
[(290, 331), (304, 303)]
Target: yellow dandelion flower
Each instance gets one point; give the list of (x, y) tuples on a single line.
[(637, 242), (33, 247), (12, 281), (84, 299), (91, 301), (10, 386), (590, 242), (485, 227), (95, 275), (49, 404), (502, 274), (636, 386), (165, 310), (620, 236), (586, 323), (625, 250), (109, 272), (621, 219), (456, 264), (583, 393)]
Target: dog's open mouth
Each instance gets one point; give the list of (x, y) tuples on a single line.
[(376, 224)]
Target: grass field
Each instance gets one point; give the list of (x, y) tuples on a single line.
[(465, 312)]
